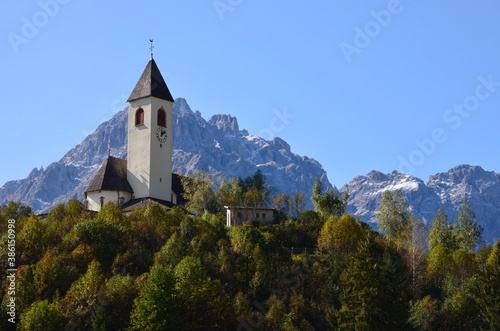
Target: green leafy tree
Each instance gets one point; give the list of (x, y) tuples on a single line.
[(81, 300), (115, 302), (393, 214), (199, 193), (340, 237), (104, 234), (469, 231), (32, 240), (156, 308), (254, 190), (230, 192), (41, 316), (328, 203), (425, 314), (202, 300)]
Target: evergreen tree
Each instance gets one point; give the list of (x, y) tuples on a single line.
[(469, 231), (372, 290), (393, 214), (328, 203)]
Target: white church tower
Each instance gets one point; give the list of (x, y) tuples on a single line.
[(149, 151), (146, 176)]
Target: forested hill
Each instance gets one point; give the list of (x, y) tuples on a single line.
[(167, 270)]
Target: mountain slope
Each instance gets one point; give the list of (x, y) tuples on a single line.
[(444, 190), (216, 146)]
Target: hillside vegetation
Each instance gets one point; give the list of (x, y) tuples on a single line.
[(154, 269)]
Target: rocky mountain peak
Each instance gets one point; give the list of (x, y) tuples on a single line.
[(216, 146), (225, 123)]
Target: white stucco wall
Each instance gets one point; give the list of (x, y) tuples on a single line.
[(94, 198), (149, 162)]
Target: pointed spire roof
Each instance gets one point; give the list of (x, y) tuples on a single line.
[(112, 176), (151, 84)]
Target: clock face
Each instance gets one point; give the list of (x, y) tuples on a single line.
[(161, 134)]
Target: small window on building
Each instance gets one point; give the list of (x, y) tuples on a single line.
[(139, 117), (162, 118), (102, 201), (263, 215), (257, 215), (239, 214)]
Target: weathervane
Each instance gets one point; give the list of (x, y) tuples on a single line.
[(151, 48)]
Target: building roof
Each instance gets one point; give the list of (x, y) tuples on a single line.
[(249, 208), (151, 84), (143, 202), (112, 176)]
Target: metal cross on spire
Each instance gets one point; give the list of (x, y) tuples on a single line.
[(151, 48)]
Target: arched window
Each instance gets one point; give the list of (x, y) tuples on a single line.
[(162, 118), (139, 117)]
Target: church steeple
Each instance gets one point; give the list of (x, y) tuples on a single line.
[(150, 133), (151, 84)]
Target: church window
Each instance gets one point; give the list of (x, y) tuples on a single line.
[(162, 118), (139, 117)]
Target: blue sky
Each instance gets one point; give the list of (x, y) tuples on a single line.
[(357, 85)]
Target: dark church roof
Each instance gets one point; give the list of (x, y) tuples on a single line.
[(151, 84), (112, 176), (143, 202)]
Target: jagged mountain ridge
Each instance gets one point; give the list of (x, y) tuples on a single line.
[(216, 146), (219, 147), (444, 190)]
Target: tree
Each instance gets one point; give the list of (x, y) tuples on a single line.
[(156, 307), (469, 231), (372, 290), (41, 316), (254, 190), (340, 237), (32, 240), (104, 234), (202, 301), (414, 252), (199, 194), (230, 192), (328, 203), (393, 214), (80, 302), (283, 203), (424, 314), (442, 233)]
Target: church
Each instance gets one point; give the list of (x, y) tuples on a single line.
[(146, 176)]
